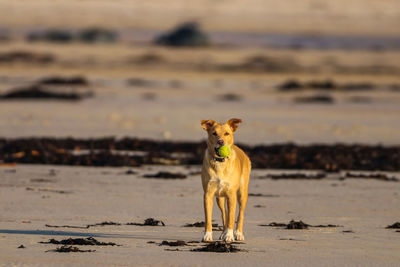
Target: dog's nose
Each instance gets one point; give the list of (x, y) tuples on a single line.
[(220, 142)]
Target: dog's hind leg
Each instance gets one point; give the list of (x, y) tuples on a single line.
[(221, 205)]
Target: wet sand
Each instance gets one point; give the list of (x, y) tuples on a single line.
[(166, 97), (30, 198), (175, 114)]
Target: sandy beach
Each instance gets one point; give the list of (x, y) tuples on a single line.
[(33, 196), (123, 84)]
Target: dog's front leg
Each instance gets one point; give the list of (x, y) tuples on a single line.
[(228, 233), (208, 206)]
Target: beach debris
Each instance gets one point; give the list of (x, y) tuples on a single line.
[(104, 152), (196, 224), (84, 227), (396, 225), (274, 224), (375, 176), (199, 224), (327, 85), (297, 225), (66, 249), (21, 56), (89, 241), (66, 226), (219, 247), (261, 195), (325, 225), (48, 190), (177, 243), (148, 222), (295, 175), (315, 99), (52, 35), (166, 175), (130, 172), (290, 85), (21, 246), (215, 226), (97, 35), (103, 224), (88, 35), (259, 206), (186, 34), (58, 80), (348, 231), (38, 92), (42, 180)]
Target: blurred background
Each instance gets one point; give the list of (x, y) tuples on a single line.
[(308, 71)]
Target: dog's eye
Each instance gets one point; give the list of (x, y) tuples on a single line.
[(215, 133), (226, 133)]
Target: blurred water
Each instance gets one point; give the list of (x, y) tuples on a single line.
[(288, 41), (246, 39)]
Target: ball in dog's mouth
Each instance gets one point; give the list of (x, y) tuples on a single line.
[(223, 151)]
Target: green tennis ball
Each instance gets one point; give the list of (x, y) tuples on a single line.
[(224, 151)]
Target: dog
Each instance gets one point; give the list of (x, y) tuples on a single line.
[(226, 178)]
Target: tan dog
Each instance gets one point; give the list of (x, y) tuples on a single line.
[(225, 178)]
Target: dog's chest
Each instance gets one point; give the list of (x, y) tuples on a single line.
[(221, 185)]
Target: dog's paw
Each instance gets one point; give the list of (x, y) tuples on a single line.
[(228, 236), (239, 236), (207, 237)]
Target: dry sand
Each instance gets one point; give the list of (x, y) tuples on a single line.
[(94, 195)]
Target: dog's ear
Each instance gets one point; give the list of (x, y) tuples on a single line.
[(207, 124), (234, 123)]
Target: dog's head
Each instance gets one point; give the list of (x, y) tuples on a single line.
[(220, 134)]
